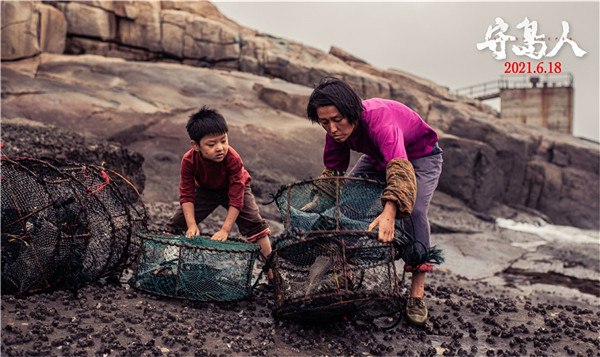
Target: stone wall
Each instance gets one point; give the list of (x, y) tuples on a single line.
[(548, 107)]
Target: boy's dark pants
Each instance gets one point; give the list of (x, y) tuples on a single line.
[(249, 222)]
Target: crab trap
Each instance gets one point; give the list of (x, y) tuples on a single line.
[(326, 264), (195, 269), (65, 225)]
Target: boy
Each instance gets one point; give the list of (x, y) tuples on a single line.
[(212, 175)]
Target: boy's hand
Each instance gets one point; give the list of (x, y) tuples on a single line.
[(192, 231), (220, 235)]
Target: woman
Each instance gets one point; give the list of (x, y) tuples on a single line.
[(398, 148)]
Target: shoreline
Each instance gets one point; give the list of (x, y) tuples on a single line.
[(472, 316)]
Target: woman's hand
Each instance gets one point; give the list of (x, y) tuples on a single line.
[(386, 222)]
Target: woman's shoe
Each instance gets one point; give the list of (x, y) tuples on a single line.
[(416, 311)]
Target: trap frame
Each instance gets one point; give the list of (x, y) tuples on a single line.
[(196, 269), (326, 264), (65, 225)]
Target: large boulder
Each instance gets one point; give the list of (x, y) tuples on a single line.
[(53, 29), (139, 24), (19, 30), (144, 107), (488, 161), (191, 36), (90, 21)]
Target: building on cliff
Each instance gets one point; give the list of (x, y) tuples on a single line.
[(545, 101)]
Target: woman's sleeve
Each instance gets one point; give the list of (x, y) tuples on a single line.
[(400, 186)]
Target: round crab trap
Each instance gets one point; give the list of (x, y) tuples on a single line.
[(195, 269), (327, 265), (65, 225), (324, 276)]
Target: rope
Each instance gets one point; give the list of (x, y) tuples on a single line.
[(99, 187), (267, 264), (401, 312)]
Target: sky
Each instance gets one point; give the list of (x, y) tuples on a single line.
[(438, 40)]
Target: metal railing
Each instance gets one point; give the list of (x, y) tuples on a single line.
[(491, 89), (481, 91)]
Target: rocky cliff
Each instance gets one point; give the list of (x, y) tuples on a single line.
[(261, 83)]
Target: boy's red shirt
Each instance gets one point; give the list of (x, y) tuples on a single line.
[(228, 174)]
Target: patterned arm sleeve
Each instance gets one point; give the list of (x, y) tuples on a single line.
[(401, 186)]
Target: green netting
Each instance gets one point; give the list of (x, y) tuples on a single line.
[(196, 269), (326, 263), (343, 203)]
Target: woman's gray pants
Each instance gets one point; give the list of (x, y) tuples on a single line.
[(427, 171)]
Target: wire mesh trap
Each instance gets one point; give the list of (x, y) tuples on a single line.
[(65, 225), (326, 264), (328, 276), (195, 269)]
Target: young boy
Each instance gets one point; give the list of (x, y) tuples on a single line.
[(212, 175)]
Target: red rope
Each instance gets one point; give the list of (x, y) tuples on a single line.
[(98, 188)]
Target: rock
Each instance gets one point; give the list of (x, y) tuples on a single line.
[(53, 29), (90, 21), (488, 160), (294, 103), (470, 175), (140, 26), (19, 30), (23, 137), (345, 56), (130, 105), (203, 9), (173, 31), (209, 40), (80, 45)]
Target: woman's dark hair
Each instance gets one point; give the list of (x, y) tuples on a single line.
[(205, 122), (334, 91)]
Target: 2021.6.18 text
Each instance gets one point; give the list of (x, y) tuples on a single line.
[(528, 67)]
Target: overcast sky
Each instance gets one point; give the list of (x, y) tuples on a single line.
[(438, 40)]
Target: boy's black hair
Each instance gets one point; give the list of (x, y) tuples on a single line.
[(334, 91), (205, 122)]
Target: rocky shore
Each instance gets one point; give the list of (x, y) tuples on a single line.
[(512, 285), (113, 83), (485, 312)]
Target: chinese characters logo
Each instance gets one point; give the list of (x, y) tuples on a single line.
[(534, 45)]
